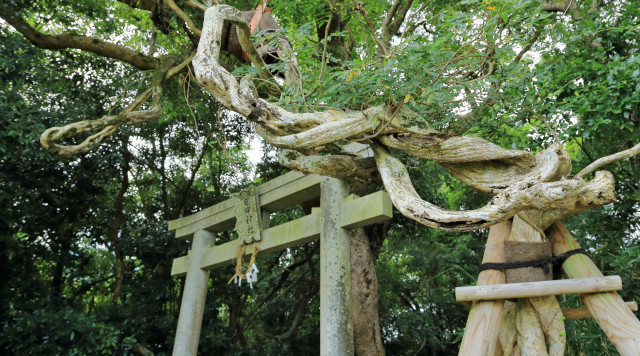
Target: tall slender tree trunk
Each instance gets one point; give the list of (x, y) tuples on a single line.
[(116, 224), (58, 273), (120, 268)]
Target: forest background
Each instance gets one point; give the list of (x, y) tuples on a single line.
[(85, 253)]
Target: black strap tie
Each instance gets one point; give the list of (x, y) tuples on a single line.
[(544, 263)]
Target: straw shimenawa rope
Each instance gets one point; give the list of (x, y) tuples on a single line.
[(242, 248)]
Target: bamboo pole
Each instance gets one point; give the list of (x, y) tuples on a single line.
[(483, 324), (582, 313), (539, 289), (614, 317)]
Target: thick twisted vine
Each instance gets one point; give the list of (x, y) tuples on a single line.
[(521, 180), (107, 125), (570, 196), (345, 166)]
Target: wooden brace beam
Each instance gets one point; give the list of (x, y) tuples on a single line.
[(582, 313), (539, 289)]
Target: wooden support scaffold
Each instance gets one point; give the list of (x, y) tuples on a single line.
[(597, 292), (249, 212)]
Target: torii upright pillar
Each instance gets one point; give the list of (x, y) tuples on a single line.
[(336, 311), (193, 298)]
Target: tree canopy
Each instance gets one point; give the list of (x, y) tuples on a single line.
[(476, 111)]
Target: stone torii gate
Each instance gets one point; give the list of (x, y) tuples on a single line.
[(249, 211)]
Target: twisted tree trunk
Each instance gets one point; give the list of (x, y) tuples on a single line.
[(532, 326), (364, 283)]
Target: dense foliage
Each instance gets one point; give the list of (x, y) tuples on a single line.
[(85, 256)]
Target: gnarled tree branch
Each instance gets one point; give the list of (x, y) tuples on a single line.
[(382, 46), (394, 19), (633, 151), (110, 123), (197, 5), (559, 6), (520, 180), (339, 166), (572, 195), (64, 41), (172, 5)]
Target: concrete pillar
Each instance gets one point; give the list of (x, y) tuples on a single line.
[(336, 327), (193, 298)]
